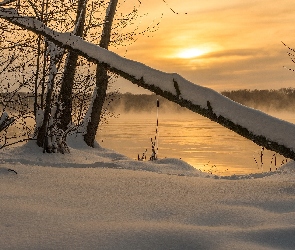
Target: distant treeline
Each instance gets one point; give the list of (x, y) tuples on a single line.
[(281, 99)]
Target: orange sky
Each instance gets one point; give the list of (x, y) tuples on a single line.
[(219, 44)]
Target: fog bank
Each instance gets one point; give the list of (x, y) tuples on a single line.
[(265, 100)]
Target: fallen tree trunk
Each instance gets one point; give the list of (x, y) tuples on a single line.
[(262, 129)]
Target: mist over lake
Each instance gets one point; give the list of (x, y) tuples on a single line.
[(183, 134)]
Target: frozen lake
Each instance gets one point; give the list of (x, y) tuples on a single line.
[(203, 144)]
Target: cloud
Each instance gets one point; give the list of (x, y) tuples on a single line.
[(246, 36)]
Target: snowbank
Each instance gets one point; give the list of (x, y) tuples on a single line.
[(79, 201)]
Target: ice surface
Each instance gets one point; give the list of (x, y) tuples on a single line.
[(99, 199)]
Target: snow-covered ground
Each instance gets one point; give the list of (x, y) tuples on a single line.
[(98, 199)]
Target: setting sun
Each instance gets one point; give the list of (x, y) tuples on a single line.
[(191, 53)]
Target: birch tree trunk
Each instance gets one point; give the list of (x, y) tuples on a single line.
[(54, 58), (102, 79)]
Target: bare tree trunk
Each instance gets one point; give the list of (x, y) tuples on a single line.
[(101, 78), (97, 104), (38, 58), (54, 57), (43, 76), (37, 75), (70, 69)]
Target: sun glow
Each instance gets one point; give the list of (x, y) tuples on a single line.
[(191, 53)]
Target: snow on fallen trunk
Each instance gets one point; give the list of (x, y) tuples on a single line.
[(264, 130)]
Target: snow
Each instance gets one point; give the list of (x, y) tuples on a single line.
[(94, 198)]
